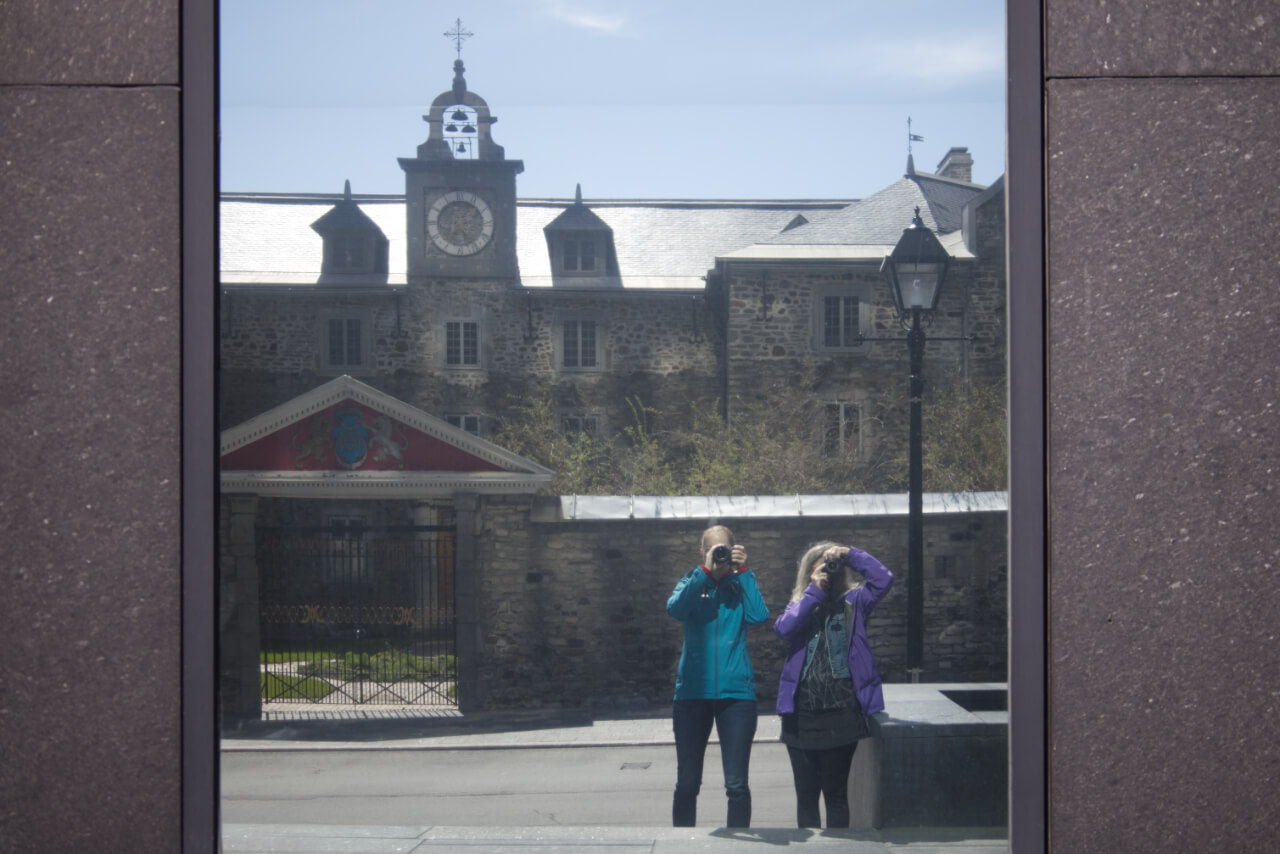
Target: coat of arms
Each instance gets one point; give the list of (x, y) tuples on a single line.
[(350, 438)]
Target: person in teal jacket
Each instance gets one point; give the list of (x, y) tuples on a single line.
[(715, 603)]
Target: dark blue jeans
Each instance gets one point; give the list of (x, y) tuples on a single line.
[(735, 722)]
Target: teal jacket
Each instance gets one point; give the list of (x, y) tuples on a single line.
[(714, 664)]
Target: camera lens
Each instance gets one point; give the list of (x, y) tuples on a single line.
[(720, 554), (833, 564)]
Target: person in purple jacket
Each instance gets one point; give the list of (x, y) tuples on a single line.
[(829, 684)]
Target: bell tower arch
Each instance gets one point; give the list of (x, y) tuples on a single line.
[(461, 192)]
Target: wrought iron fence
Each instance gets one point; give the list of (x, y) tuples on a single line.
[(351, 614)]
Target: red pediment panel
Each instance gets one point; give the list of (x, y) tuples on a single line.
[(351, 436)]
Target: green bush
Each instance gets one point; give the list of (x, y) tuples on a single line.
[(966, 439), (776, 443)]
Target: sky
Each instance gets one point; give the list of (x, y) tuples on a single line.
[(673, 99)]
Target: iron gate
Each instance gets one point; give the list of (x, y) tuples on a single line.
[(354, 615)]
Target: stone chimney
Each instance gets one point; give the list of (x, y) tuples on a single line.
[(957, 164)]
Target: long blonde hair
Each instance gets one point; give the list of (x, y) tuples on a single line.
[(805, 569)]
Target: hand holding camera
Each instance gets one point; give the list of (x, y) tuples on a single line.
[(724, 559), (834, 560)]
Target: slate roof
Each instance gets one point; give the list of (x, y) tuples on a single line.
[(345, 215), (661, 244), (869, 229), (267, 239)]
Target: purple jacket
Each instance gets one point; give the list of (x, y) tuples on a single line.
[(793, 627)]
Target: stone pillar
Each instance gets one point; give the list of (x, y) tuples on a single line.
[(239, 678), (467, 603)]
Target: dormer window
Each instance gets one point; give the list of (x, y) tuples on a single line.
[(354, 245), (346, 254), (579, 255), (581, 246)]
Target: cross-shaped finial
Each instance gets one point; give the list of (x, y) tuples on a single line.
[(459, 35)]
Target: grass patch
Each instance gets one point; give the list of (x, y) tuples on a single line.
[(348, 662), (280, 688), (387, 666)]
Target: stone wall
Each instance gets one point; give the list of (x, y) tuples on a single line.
[(749, 334), (988, 293), (661, 348), (573, 613), (771, 347)]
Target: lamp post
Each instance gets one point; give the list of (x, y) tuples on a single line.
[(916, 270)]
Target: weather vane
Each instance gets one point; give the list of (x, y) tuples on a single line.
[(912, 137), (459, 35)]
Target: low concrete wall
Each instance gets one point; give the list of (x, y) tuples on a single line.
[(937, 757)]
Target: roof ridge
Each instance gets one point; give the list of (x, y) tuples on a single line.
[(551, 201)]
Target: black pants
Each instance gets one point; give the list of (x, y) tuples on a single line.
[(824, 772)]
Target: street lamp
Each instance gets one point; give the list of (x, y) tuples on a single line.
[(916, 271)]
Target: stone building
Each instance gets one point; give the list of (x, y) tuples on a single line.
[(369, 345)]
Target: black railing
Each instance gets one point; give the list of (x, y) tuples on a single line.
[(356, 615)]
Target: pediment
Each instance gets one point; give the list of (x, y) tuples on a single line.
[(347, 436)]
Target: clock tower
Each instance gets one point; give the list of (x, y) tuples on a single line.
[(461, 193)]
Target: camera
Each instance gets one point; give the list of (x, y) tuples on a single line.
[(834, 564), (721, 554)]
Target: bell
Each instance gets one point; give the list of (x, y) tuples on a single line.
[(468, 129), (462, 147), (459, 116), (451, 128)]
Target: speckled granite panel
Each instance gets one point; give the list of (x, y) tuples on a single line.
[(1164, 394), (123, 42), (1162, 37), (90, 707)]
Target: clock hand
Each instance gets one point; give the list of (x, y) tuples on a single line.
[(461, 224)]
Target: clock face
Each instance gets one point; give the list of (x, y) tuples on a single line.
[(460, 223)]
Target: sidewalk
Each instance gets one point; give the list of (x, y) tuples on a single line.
[(313, 839), (389, 729)]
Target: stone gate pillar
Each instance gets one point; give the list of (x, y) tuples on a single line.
[(239, 677), (467, 510)]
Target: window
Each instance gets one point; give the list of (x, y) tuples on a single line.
[(470, 423), (842, 433), (580, 345), (841, 320), (579, 256), (462, 344), (346, 253), (344, 346), (579, 425)]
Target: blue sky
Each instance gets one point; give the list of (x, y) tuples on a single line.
[(631, 99)]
